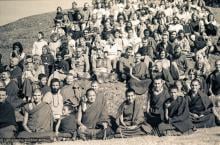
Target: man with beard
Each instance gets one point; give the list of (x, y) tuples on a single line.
[(179, 65), (54, 99)]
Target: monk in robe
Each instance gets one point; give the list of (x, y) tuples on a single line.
[(140, 79), (214, 80), (130, 117), (38, 118), (177, 117), (71, 92), (156, 98), (67, 124), (93, 120), (200, 106), (7, 117), (12, 90)]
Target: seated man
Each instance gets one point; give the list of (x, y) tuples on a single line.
[(12, 90), (7, 117), (93, 119), (159, 71), (156, 98), (125, 63), (54, 99), (71, 92), (200, 106), (38, 118), (214, 80), (101, 66), (177, 117), (130, 117), (81, 64), (179, 65), (140, 78)]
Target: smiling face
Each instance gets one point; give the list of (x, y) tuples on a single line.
[(69, 79)]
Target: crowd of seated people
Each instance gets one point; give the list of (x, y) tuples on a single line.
[(163, 51)]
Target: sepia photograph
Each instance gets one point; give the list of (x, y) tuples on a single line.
[(110, 72)]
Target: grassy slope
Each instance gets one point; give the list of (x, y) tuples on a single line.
[(25, 30)]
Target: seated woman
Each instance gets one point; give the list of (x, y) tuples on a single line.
[(130, 117), (140, 80), (177, 117), (38, 118), (200, 106), (7, 117), (93, 119)]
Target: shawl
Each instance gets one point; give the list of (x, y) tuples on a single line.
[(179, 114), (40, 118), (95, 114), (138, 113)]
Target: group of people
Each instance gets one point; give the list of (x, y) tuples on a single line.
[(161, 51)]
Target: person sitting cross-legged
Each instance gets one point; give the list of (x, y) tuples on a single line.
[(7, 117), (130, 117), (38, 118), (93, 119), (176, 119), (200, 106)]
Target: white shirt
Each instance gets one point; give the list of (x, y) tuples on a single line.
[(37, 47)]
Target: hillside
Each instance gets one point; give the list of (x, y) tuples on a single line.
[(25, 30)]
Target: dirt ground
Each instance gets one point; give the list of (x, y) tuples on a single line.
[(25, 30), (209, 136)]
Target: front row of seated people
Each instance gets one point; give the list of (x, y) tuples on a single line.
[(168, 113)]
